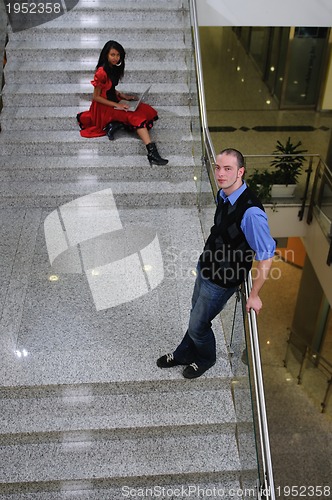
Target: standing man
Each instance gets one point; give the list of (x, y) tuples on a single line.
[(240, 233)]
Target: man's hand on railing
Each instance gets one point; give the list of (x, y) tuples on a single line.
[(260, 275), (255, 303)]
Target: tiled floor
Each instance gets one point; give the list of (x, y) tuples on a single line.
[(238, 116)]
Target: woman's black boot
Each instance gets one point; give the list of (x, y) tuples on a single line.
[(111, 128), (78, 118), (154, 156)]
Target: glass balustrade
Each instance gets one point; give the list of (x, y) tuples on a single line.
[(321, 199), (311, 370)]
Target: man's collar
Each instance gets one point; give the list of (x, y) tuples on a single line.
[(232, 198)]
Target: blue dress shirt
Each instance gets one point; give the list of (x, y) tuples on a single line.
[(255, 227)]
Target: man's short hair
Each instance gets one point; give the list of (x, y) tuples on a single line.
[(238, 155)]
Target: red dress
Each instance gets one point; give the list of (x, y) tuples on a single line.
[(99, 115)]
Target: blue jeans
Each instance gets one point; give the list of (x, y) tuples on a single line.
[(199, 343)]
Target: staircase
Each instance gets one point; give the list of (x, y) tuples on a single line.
[(85, 412)]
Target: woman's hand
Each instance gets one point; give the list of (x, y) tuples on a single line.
[(126, 97), (122, 106)]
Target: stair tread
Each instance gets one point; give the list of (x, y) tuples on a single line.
[(72, 88), (118, 363), (80, 21), (118, 187), (128, 5), (73, 66), (84, 490), (131, 408), (150, 453), (71, 111), (57, 43), (76, 162), (73, 136)]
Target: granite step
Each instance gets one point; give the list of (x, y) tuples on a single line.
[(123, 6), (82, 72), (124, 454), (156, 27), (48, 143), (226, 485), (64, 118), (64, 50), (135, 194), (169, 31), (131, 5), (43, 412), (117, 459), (92, 167), (125, 14), (22, 95)]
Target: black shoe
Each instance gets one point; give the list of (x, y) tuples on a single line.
[(78, 118), (111, 128), (153, 155), (195, 371), (167, 361)]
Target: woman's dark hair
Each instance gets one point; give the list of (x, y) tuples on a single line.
[(114, 73)]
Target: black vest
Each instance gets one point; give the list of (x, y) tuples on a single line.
[(227, 257)]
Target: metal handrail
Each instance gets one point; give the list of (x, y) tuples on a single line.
[(260, 396), (207, 141), (253, 331)]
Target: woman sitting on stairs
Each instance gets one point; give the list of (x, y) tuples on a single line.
[(106, 114)]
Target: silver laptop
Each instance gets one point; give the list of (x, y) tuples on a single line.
[(133, 105)]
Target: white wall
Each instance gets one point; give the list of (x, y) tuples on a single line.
[(264, 12), (317, 248), (284, 221)]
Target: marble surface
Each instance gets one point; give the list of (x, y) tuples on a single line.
[(71, 143), (57, 320), (65, 410), (59, 341), (109, 458), (70, 94), (64, 118), (37, 50), (91, 169), (226, 485), (81, 71)]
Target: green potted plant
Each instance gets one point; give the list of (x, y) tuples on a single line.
[(261, 184), (287, 166), (280, 181)]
